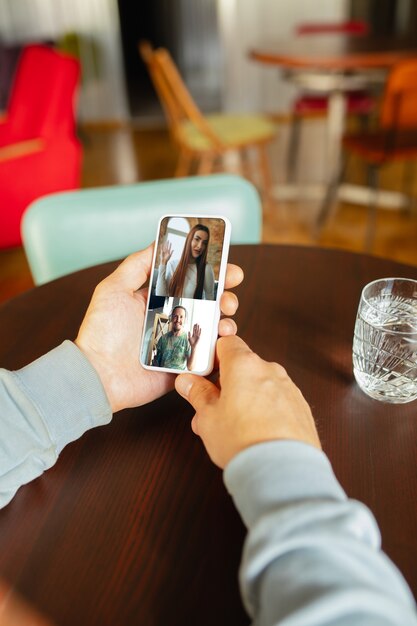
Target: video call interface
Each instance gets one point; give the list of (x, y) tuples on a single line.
[(184, 285)]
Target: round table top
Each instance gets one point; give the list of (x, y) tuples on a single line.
[(133, 523), (335, 52)]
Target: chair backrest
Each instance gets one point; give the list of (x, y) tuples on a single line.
[(68, 231), (399, 104), (42, 97), (350, 27), (175, 98), (9, 56)]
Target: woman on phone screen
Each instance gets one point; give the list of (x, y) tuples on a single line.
[(190, 276)]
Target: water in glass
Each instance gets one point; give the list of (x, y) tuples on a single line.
[(385, 347)]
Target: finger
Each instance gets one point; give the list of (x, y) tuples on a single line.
[(231, 348), (197, 390), (234, 276), (134, 271), (227, 327), (229, 303), (141, 295), (194, 424)]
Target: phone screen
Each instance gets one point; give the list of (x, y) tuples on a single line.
[(186, 283)]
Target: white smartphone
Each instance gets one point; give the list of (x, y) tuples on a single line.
[(186, 283)]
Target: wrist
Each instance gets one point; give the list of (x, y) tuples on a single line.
[(300, 472), (105, 372)]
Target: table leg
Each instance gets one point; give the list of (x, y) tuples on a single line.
[(335, 128)]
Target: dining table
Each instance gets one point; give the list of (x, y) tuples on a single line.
[(334, 64), (133, 524)]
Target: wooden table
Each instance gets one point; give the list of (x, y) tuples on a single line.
[(335, 64), (335, 52), (133, 524)]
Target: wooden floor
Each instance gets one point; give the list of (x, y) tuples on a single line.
[(114, 156)]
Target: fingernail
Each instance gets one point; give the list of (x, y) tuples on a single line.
[(183, 385)]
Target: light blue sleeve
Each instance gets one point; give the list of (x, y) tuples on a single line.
[(312, 556), (44, 406)]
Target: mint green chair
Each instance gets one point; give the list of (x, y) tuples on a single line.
[(69, 231)]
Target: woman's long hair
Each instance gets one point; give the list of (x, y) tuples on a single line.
[(176, 285)]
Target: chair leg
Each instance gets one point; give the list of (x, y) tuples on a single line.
[(293, 145), (184, 164), (373, 183), (206, 163), (265, 169), (330, 197), (408, 184), (246, 164)]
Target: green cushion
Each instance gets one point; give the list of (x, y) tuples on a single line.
[(68, 231), (232, 130)]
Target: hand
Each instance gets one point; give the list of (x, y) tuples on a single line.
[(194, 338), (256, 402), (111, 332), (166, 252)]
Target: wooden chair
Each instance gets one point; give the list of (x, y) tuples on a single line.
[(394, 140), (200, 138)]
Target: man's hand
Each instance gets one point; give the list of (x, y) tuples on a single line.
[(256, 402), (111, 332), (194, 338)]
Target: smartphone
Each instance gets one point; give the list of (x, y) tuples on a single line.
[(185, 286)]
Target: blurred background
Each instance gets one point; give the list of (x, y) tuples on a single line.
[(121, 124)]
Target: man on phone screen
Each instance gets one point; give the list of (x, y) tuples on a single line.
[(176, 348)]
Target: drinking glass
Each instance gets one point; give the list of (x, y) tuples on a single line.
[(385, 340)]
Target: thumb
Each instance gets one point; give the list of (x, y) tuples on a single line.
[(133, 272), (197, 390)]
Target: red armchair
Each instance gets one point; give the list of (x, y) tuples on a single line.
[(39, 150)]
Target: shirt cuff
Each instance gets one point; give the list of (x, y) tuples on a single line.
[(67, 392), (279, 471)]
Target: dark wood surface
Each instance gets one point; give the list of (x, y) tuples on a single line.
[(133, 524), (335, 51)]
